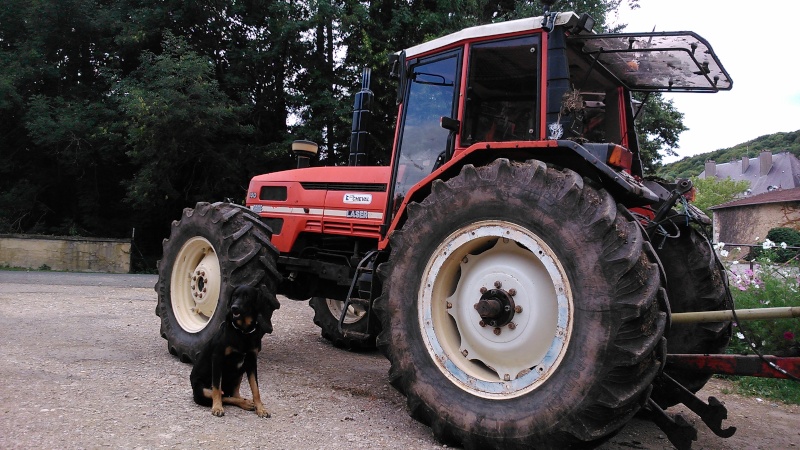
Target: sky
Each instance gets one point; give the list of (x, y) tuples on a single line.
[(757, 43)]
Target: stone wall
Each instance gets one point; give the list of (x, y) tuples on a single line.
[(77, 254)]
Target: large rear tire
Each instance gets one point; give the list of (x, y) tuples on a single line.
[(695, 282), (210, 251), (569, 334)]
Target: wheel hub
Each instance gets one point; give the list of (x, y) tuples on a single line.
[(496, 307)]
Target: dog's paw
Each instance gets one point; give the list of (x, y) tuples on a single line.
[(217, 411), (247, 404), (263, 413)]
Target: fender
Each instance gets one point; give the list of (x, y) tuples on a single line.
[(589, 160)]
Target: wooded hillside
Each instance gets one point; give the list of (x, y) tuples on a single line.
[(693, 165)]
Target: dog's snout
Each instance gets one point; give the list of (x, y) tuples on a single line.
[(236, 310)]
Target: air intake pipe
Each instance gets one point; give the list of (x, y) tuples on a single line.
[(362, 116)]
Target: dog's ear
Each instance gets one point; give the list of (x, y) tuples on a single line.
[(267, 303)]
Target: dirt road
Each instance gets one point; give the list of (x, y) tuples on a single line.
[(83, 366)]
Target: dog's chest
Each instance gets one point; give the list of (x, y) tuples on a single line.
[(234, 358)]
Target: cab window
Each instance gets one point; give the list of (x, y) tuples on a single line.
[(501, 103)]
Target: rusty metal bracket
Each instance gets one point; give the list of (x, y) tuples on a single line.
[(711, 413), (679, 431)]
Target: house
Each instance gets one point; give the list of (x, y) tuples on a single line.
[(747, 220), (765, 173)]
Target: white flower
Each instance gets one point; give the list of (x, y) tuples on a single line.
[(723, 253), (735, 262), (720, 245), (740, 335), (783, 245), (767, 244)]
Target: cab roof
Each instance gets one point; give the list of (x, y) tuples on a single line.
[(679, 61)]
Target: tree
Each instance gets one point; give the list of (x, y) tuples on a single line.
[(659, 127), (181, 130), (714, 191)]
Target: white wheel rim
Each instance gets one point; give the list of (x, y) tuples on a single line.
[(526, 351), (354, 313), (195, 284)]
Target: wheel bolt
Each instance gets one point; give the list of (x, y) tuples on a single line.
[(518, 309), (449, 305), (482, 323), (483, 290), (204, 289), (512, 326), (194, 278), (506, 377), (464, 352), (498, 284), (497, 331), (465, 260), (512, 292)]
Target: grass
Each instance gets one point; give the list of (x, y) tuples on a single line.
[(786, 391)]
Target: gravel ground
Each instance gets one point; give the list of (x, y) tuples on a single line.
[(83, 366)]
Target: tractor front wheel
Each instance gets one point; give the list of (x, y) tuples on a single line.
[(521, 309), (210, 251)]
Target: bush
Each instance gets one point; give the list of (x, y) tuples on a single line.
[(768, 285), (777, 240)]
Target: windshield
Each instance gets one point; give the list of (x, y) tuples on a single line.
[(431, 96)]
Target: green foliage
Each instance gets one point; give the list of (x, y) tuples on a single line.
[(658, 128), (768, 285), (713, 191), (787, 391), (694, 165), (777, 239)]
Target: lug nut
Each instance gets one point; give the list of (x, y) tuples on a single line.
[(482, 323), (518, 309), (449, 305), (483, 290), (497, 331), (498, 284), (512, 326), (464, 352), (512, 292), (506, 377)]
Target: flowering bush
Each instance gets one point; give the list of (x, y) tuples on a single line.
[(767, 284)]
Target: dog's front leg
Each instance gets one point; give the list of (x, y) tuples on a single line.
[(216, 385), (252, 378)]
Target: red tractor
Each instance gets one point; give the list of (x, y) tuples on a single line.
[(511, 262)]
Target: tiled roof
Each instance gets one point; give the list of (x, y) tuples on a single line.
[(783, 173), (778, 196)]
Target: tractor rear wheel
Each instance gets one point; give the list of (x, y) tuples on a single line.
[(695, 282), (521, 309), (326, 316), (210, 251)]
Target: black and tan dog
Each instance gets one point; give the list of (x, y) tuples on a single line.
[(232, 352)]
